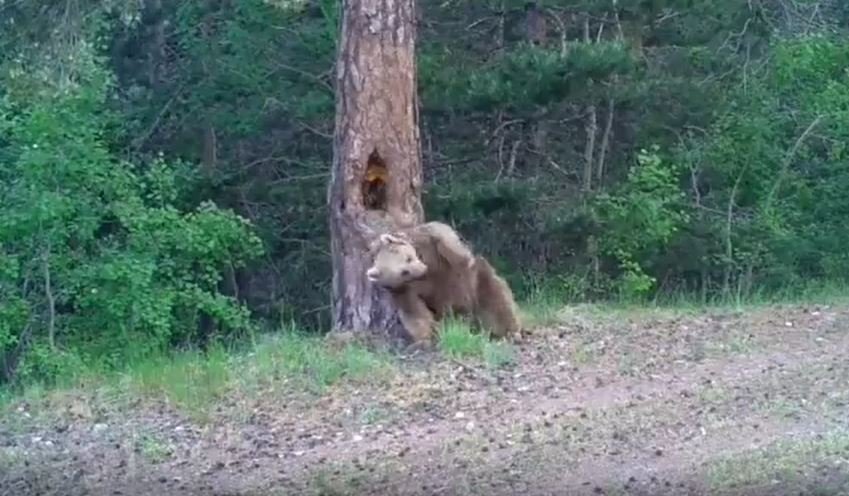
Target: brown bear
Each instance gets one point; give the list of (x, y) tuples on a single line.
[(431, 272)]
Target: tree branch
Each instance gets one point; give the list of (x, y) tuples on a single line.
[(788, 159), (605, 139), (51, 300)]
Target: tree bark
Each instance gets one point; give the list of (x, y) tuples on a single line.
[(591, 126), (156, 50), (376, 177)]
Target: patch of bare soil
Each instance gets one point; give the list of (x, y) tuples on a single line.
[(719, 403)]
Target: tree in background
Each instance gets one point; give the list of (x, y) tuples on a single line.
[(377, 176)]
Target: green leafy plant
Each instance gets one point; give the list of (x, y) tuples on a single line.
[(97, 261), (639, 217)]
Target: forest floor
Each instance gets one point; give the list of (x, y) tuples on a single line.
[(596, 401)]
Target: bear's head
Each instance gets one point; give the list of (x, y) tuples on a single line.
[(396, 262)]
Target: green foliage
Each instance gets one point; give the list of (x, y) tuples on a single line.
[(640, 217), (96, 256), (528, 76), (775, 164), (457, 340), (253, 80)]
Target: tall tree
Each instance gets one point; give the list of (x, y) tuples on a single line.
[(377, 176)]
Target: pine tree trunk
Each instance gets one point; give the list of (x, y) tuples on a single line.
[(377, 177)]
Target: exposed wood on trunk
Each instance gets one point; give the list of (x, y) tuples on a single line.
[(535, 24), (376, 178), (499, 41), (156, 52), (589, 147), (591, 127), (562, 19), (605, 141), (51, 298), (210, 148)]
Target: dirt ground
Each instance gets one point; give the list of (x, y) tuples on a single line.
[(649, 403)]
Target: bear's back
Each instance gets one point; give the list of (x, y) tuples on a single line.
[(445, 288)]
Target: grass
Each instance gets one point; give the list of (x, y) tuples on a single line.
[(374, 415), (194, 381), (813, 292), (548, 305), (458, 341), (309, 361), (788, 464), (345, 478), (541, 309), (152, 448), (190, 380)]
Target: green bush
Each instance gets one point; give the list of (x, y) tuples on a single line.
[(639, 218), (96, 261), (776, 171)]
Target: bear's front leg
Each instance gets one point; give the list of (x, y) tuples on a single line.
[(417, 318)]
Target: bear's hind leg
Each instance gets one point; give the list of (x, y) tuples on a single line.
[(495, 307), (498, 320)]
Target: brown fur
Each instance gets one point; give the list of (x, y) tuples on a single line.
[(431, 272)]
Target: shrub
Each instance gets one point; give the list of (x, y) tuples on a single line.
[(96, 259)]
